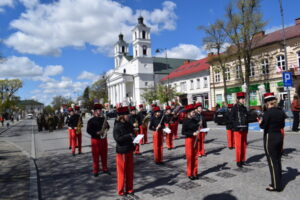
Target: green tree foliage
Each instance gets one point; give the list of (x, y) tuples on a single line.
[(8, 89), (99, 91), (149, 95), (48, 109), (58, 101), (163, 93)]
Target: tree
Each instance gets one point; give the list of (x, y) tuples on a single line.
[(48, 109), (163, 93), (215, 40), (87, 101), (9, 87), (99, 90), (58, 101), (149, 95)]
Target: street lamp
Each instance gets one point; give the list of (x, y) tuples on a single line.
[(166, 57)]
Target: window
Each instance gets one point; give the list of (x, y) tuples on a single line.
[(146, 84), (219, 99), (183, 86), (265, 66), (205, 84), (144, 34), (238, 72), (144, 50), (229, 98), (192, 85), (217, 76), (281, 63), (227, 74), (123, 49), (252, 70), (198, 83)]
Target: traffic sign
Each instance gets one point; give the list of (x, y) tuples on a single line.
[(287, 79)]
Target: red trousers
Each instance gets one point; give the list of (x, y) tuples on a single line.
[(230, 138), (169, 137), (191, 156), (99, 149), (75, 140), (200, 144), (143, 130), (240, 140), (158, 140), (125, 170), (136, 146), (175, 132)]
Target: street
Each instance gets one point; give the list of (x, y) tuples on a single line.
[(62, 176)]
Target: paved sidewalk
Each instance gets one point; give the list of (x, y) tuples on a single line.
[(14, 172)]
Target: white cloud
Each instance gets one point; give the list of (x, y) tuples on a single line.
[(44, 29), (6, 3), (188, 51), (88, 76), (24, 68)]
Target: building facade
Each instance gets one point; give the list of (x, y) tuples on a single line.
[(133, 75), (192, 82), (268, 63)]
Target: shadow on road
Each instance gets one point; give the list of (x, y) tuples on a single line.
[(255, 158), (214, 169), (289, 176), (221, 196)]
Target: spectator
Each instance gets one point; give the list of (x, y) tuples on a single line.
[(295, 109)]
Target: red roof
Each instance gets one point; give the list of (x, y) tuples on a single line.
[(188, 68)]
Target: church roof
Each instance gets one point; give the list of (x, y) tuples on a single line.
[(166, 65), (188, 68)]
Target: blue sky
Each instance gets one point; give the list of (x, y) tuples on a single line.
[(58, 47)]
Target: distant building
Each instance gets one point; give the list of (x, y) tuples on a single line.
[(191, 80), (132, 75), (32, 106)]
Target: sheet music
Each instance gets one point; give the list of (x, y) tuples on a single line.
[(204, 130), (167, 130), (138, 138)]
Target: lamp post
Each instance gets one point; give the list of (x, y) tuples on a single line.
[(166, 57)]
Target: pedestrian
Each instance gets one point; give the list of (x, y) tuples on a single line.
[(202, 123), (239, 118), (229, 131), (168, 120), (295, 107), (78, 136), (156, 125), (72, 126), (273, 122), (133, 119), (174, 125), (70, 110), (190, 129), (123, 135), (97, 127), (143, 123)]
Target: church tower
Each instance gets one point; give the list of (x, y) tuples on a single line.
[(121, 49), (141, 39)]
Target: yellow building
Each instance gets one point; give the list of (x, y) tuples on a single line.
[(265, 74)]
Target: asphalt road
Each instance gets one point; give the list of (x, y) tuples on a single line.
[(63, 176)]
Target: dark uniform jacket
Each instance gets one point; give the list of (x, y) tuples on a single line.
[(133, 119), (73, 121), (227, 118), (140, 116), (94, 125), (122, 135), (200, 120), (189, 127), (239, 117), (273, 120), (155, 122)]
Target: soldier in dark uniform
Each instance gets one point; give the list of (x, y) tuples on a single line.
[(72, 127), (168, 120), (156, 125), (70, 110), (273, 122), (143, 127), (97, 127), (46, 125), (229, 131), (123, 135), (239, 118), (51, 123), (55, 121), (190, 129), (39, 121), (133, 119), (202, 123)]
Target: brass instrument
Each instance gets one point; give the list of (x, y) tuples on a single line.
[(146, 120), (104, 129), (79, 126)]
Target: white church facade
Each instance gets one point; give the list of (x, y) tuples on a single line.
[(132, 75)]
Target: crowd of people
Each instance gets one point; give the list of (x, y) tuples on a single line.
[(131, 127), (50, 122)]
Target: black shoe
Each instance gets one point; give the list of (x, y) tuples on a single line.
[(160, 163), (191, 178), (132, 196), (107, 172), (79, 153), (245, 164), (96, 174), (239, 164), (196, 177), (70, 147), (169, 149), (73, 154), (271, 189)]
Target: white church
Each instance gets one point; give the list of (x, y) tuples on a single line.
[(135, 73)]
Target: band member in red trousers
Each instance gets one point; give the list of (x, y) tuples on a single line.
[(133, 119), (175, 120), (156, 125), (143, 127), (123, 135), (72, 127), (239, 118), (70, 110), (77, 140), (168, 122), (190, 129), (229, 131), (97, 127), (202, 124)]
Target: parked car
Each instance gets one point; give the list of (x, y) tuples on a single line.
[(208, 114), (111, 113), (29, 116)]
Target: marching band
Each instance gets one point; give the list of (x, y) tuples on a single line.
[(131, 125)]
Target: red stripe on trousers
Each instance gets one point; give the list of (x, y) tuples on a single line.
[(169, 137), (158, 140), (99, 149), (240, 140), (175, 133), (191, 156), (136, 146), (230, 138), (125, 170)]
